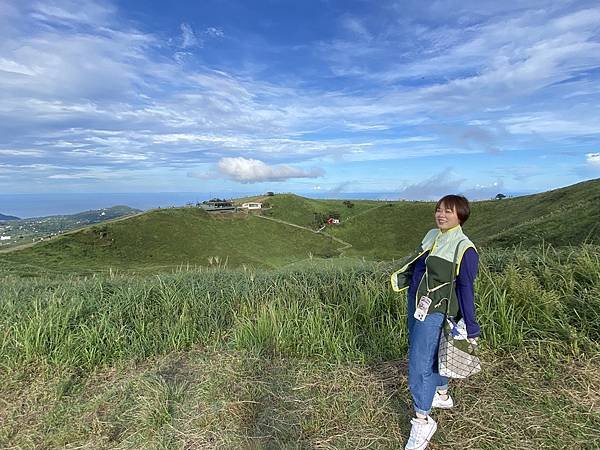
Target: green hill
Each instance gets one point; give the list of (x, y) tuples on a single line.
[(165, 239), (388, 231), (4, 217), (301, 211), (26, 231), (566, 216)]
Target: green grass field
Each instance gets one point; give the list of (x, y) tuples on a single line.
[(305, 357), (179, 330), (167, 239)]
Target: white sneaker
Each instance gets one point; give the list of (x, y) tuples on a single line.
[(420, 434), (443, 404)]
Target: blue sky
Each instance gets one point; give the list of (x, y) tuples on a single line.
[(414, 99)]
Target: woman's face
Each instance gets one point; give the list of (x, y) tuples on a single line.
[(445, 218)]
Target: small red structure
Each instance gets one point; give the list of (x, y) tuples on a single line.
[(332, 221)]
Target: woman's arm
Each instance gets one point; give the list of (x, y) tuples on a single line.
[(418, 270), (465, 282)]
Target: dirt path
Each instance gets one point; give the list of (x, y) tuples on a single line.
[(345, 245)]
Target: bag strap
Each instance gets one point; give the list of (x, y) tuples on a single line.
[(453, 276)]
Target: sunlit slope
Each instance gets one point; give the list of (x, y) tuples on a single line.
[(301, 211), (171, 237), (392, 230), (566, 216)]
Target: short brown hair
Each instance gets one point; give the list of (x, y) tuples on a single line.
[(457, 203)]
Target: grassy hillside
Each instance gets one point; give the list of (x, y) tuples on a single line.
[(26, 231), (165, 239), (306, 357), (301, 211), (388, 231), (311, 355), (567, 216), (570, 215)]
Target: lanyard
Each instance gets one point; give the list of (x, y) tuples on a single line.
[(430, 290)]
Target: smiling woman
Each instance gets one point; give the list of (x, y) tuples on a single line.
[(451, 211), (440, 280)]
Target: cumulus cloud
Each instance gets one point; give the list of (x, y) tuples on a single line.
[(473, 136), (593, 159), (247, 170)]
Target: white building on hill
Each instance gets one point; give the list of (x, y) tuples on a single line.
[(252, 205)]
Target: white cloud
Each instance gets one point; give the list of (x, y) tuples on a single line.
[(13, 67), (366, 127), (485, 66), (484, 191), (214, 32), (21, 152), (64, 176), (53, 66), (73, 11), (188, 37), (552, 123), (82, 87), (247, 170), (593, 159), (433, 188), (448, 182), (356, 27)]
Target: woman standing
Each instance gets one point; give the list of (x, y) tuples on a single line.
[(428, 277)]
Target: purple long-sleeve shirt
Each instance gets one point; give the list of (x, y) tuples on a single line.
[(464, 287)]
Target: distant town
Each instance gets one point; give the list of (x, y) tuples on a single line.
[(15, 231), (25, 231)]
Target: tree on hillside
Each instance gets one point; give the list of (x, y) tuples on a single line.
[(348, 204), (318, 219), (500, 196)]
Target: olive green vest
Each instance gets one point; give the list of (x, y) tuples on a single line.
[(436, 282)]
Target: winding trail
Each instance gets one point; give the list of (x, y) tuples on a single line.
[(345, 245)]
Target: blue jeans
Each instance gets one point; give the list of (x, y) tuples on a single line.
[(423, 342)]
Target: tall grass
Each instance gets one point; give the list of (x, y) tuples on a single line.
[(545, 300)]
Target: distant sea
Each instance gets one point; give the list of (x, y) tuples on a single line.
[(39, 205)]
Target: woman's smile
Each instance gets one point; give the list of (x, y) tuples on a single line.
[(446, 218)]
